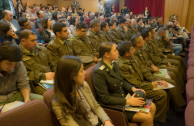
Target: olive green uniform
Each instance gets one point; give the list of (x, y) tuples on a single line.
[(37, 62), (96, 38), (125, 35), (133, 73), (59, 48), (114, 36), (84, 49)]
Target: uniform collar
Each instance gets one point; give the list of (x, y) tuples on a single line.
[(59, 41), (25, 51)]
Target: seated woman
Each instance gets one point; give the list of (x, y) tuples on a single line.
[(73, 103), (73, 24), (7, 34), (45, 31), (112, 88)]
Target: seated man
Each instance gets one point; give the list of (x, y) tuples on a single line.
[(37, 60), (60, 46), (40, 15), (136, 75), (123, 31), (113, 32), (25, 24), (95, 35), (111, 86), (14, 83), (83, 47), (8, 18)]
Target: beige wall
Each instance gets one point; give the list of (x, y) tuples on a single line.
[(183, 8), (85, 4), (44, 2)]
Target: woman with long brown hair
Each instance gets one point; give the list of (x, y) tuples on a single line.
[(73, 101), (45, 31)]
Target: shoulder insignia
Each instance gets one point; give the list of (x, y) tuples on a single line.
[(102, 67)]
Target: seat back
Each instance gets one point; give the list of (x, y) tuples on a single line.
[(48, 95), (34, 113), (88, 79)]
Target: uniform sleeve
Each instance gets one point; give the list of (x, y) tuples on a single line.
[(99, 81), (53, 51), (64, 121)]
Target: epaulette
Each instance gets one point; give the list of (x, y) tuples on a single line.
[(102, 67)]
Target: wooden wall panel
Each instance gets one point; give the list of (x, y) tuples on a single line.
[(183, 8), (31, 2), (85, 4), (190, 16)]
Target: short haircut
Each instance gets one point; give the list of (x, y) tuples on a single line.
[(11, 52), (4, 28), (5, 12), (103, 25), (57, 27), (145, 33), (81, 25), (111, 23), (22, 20), (134, 39), (138, 20), (61, 20), (160, 30), (122, 20), (26, 33), (124, 47), (105, 47), (94, 23), (38, 12)]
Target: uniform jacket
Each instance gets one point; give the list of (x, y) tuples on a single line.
[(134, 73), (114, 36), (37, 62), (86, 91), (110, 84), (123, 34), (96, 38), (60, 48), (84, 48)]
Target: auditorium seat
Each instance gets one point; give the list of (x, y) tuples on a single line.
[(190, 90), (48, 95), (189, 114), (190, 73), (34, 113), (117, 114), (190, 61)]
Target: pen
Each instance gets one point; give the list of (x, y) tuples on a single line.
[(2, 108)]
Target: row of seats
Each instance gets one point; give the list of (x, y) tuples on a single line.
[(189, 112), (39, 113)]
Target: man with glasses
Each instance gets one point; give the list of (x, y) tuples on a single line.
[(25, 24)]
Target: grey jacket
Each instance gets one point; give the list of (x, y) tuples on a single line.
[(86, 91), (13, 82)]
